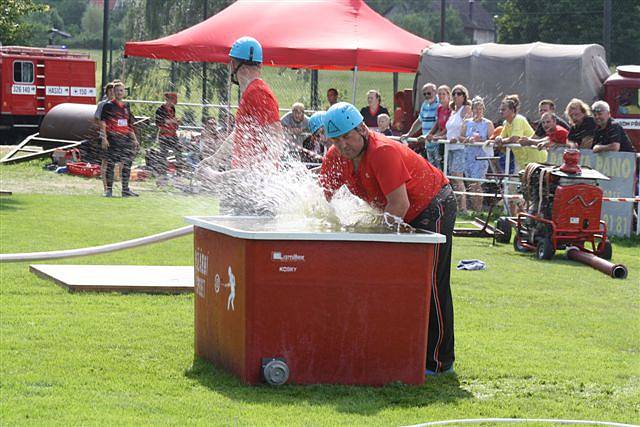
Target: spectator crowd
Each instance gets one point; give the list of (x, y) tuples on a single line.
[(476, 145)]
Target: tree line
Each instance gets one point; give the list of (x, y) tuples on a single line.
[(27, 22)]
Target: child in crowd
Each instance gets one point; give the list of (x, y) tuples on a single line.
[(384, 124)]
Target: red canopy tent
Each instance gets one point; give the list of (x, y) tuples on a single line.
[(315, 34)]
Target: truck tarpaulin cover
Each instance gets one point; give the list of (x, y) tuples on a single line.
[(534, 71), (316, 34)]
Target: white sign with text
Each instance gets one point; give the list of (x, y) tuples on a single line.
[(83, 91), (57, 91), (23, 90)]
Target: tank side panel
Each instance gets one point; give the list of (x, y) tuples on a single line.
[(220, 300), (340, 312)]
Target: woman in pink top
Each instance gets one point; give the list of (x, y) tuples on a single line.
[(439, 130)]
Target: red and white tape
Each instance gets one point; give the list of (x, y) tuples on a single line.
[(503, 196), (621, 199), (519, 196)]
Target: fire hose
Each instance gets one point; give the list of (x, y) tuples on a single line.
[(617, 271), (521, 420), (94, 250)]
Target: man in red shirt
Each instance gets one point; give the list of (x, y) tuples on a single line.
[(554, 133), (118, 139), (167, 125), (257, 138), (393, 178)]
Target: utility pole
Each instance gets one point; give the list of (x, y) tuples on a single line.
[(110, 59), (105, 41), (606, 28), (443, 14)]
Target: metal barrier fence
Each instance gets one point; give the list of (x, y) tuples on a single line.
[(506, 183), (196, 104)]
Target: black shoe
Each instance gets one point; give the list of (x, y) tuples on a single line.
[(107, 193), (129, 193)]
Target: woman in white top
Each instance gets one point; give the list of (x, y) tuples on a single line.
[(460, 110), (474, 130)]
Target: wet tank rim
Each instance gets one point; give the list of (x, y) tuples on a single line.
[(267, 228)]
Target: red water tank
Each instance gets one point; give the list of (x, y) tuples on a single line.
[(332, 310)]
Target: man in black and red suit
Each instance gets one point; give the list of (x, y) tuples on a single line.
[(118, 139)]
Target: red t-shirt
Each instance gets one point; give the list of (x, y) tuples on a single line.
[(443, 112), (384, 167), (117, 117), (558, 135), (163, 115), (258, 108)]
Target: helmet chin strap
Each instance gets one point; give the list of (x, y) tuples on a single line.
[(234, 74), (365, 144)]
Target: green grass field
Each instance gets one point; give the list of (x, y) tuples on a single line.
[(533, 339)]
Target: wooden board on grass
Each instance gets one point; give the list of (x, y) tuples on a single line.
[(118, 278)]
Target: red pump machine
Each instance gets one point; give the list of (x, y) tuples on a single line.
[(563, 206)]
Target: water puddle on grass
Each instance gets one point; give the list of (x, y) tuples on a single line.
[(536, 387)]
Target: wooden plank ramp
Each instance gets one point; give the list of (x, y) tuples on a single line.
[(118, 278)]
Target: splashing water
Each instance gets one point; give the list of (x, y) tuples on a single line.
[(279, 185)]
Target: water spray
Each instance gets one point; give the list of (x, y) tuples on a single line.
[(395, 222)]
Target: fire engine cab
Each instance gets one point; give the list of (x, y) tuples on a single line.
[(34, 80)]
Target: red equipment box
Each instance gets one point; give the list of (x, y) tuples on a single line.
[(83, 169), (336, 307), (576, 208)]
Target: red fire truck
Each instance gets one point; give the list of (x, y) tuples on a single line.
[(34, 80), (622, 92)]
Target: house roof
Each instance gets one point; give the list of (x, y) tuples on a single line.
[(480, 19)]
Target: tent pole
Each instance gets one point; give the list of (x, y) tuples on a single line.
[(355, 83), (395, 90), (314, 90), (205, 111)]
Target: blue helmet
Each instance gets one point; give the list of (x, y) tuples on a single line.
[(315, 121), (340, 119), (247, 49)]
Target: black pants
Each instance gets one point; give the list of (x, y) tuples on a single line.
[(167, 144), (120, 150), (440, 217)]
